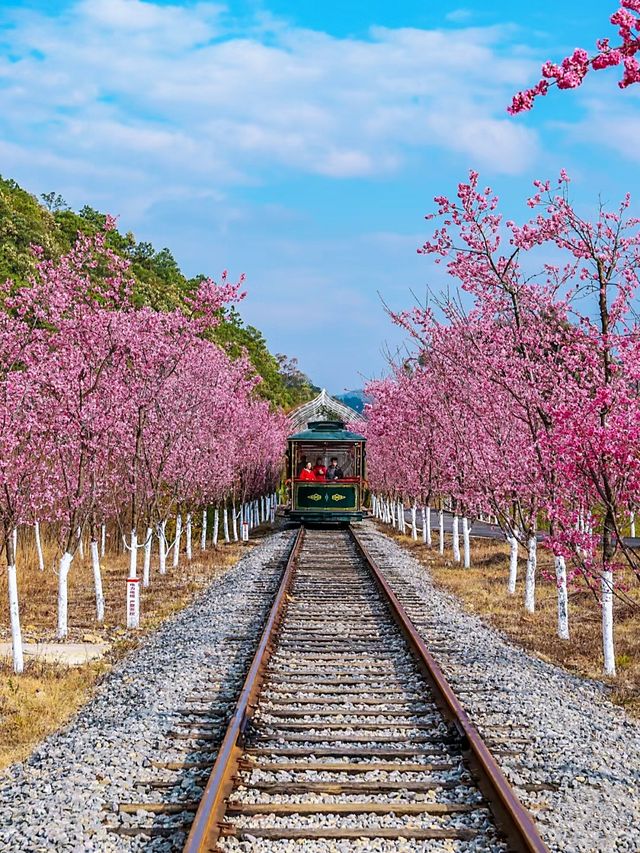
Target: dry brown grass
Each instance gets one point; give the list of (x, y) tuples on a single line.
[(483, 591), (41, 699)]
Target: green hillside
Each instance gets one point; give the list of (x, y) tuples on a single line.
[(159, 282)]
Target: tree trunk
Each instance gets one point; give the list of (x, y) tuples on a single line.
[(189, 542), (225, 523), (632, 520), (607, 623), (466, 541), (426, 525), (146, 566), (455, 532), (133, 555), (530, 577), (36, 530), (14, 608), (234, 521), (216, 525), (203, 537), (176, 544), (63, 575), (563, 599), (441, 530), (513, 564), (103, 538), (414, 528), (161, 533), (80, 543), (97, 579)]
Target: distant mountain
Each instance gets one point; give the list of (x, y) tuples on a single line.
[(354, 399)]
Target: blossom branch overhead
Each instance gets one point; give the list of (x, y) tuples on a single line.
[(573, 69)]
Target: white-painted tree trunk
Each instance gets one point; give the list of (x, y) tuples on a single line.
[(513, 564), (80, 543), (97, 580), (392, 510), (441, 530), (103, 539), (161, 533), (632, 520), (63, 597), (133, 555), (455, 532), (189, 535), (216, 526), (36, 530), (563, 598), (403, 524), (14, 617), (530, 577), (414, 528), (426, 525), (225, 524), (466, 541), (146, 565), (607, 623), (203, 536), (234, 521), (176, 544)]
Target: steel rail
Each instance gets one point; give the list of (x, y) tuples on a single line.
[(205, 829), (511, 816)]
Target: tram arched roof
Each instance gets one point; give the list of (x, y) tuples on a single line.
[(326, 431)]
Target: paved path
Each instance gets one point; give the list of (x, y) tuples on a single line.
[(483, 529)]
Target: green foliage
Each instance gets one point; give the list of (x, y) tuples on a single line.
[(158, 280)]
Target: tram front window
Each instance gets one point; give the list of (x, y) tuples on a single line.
[(330, 464)]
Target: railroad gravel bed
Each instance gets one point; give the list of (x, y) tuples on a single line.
[(65, 795), (566, 735)]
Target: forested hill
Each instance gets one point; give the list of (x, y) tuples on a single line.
[(159, 282)]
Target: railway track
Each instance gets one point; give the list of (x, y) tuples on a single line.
[(346, 732)]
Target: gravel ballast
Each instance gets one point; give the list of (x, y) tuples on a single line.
[(64, 796), (547, 728), (567, 736)]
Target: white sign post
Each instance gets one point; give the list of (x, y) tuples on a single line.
[(133, 603)]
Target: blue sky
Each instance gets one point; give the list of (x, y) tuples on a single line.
[(301, 142)]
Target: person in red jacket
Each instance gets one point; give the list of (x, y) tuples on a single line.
[(320, 470), (307, 472)]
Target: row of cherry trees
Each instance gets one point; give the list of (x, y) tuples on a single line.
[(111, 411), (523, 398)]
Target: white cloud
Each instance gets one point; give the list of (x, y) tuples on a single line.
[(459, 16), (168, 90), (610, 119)]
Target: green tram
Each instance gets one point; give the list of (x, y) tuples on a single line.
[(326, 469)]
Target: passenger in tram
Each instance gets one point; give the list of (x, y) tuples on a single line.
[(334, 471), (307, 472), (320, 470)]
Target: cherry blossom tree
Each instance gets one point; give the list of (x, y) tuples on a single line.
[(535, 385), (111, 409)]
